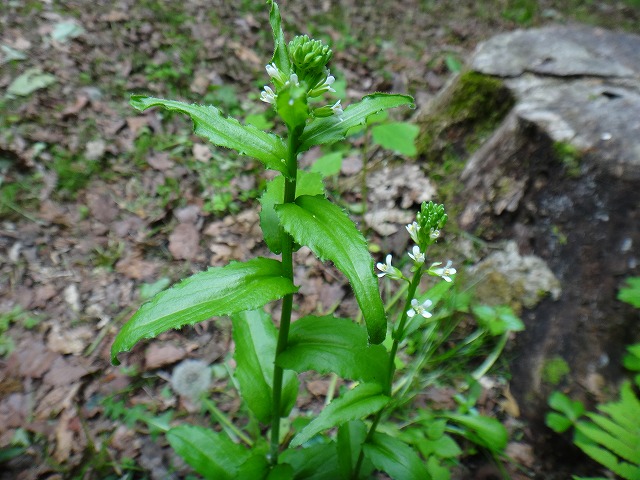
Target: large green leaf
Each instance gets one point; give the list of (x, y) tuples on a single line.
[(397, 136), (328, 344), (256, 338), (306, 184), (395, 458), (218, 291), (328, 231), (213, 455), (362, 401), (223, 131), (327, 130), (317, 462)]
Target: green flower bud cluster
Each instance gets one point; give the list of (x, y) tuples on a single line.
[(309, 55), (429, 221)]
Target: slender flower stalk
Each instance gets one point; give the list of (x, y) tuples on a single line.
[(287, 301)]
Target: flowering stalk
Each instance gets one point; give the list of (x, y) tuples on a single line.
[(287, 301)]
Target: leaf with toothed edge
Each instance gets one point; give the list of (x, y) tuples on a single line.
[(208, 122), (218, 291), (327, 130), (331, 235)]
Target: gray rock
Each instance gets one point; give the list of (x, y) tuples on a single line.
[(560, 176)]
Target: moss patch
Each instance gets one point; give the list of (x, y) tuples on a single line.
[(554, 370), (460, 120)]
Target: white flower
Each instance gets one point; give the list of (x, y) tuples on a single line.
[(445, 272), (293, 78), (435, 233), (336, 108), (388, 269), (191, 378), (418, 309), (268, 95), (272, 70), (323, 87), (417, 255), (413, 228)]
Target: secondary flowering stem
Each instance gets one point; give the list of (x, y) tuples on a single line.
[(287, 301), (413, 286)]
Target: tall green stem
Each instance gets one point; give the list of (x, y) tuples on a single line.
[(287, 301), (413, 286)]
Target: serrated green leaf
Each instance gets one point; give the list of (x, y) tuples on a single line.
[(328, 165), (395, 458), (485, 431), (317, 462), (324, 131), (631, 360), (609, 460), (629, 440), (328, 344), (630, 293), (306, 184), (626, 412), (280, 50), (397, 136), (223, 131), (331, 235), (256, 338), (213, 455), (360, 402), (215, 292)]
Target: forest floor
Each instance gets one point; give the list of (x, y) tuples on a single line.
[(101, 206)]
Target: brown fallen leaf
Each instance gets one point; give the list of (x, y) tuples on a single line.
[(64, 437), (135, 267), (160, 161), (30, 359), (73, 341), (184, 242), (64, 372), (158, 356)]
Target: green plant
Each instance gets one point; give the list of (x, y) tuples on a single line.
[(15, 316), (612, 436), (295, 212)]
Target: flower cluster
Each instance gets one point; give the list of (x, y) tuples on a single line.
[(425, 230), (310, 78)]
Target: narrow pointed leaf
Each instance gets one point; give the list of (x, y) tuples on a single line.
[(327, 130), (481, 430), (360, 402), (256, 338), (350, 438), (215, 292), (328, 231), (213, 455), (306, 184), (208, 122), (280, 51), (328, 344), (395, 458)]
